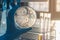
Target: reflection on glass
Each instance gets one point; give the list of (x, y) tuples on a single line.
[(0, 17), (3, 25)]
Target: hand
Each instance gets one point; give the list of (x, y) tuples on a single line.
[(12, 32)]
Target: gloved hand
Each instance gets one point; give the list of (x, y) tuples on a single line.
[(12, 32)]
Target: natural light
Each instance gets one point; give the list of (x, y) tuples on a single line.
[(57, 24)]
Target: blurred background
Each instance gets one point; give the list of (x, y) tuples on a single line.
[(47, 24)]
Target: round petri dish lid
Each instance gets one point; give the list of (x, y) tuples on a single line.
[(25, 17)]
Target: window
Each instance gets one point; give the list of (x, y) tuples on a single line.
[(58, 5), (40, 6)]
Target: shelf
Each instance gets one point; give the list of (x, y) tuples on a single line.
[(32, 0)]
